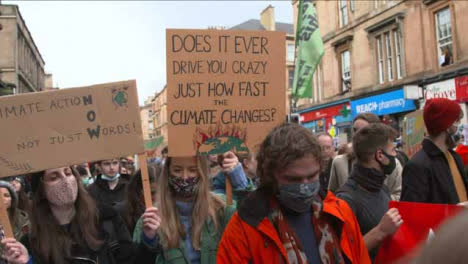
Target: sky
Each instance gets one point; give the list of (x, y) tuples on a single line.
[(85, 43)]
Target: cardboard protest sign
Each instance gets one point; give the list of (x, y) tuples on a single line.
[(420, 224), (413, 132), (226, 89), (70, 126)]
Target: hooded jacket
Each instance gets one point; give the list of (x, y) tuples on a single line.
[(250, 237), (102, 194)]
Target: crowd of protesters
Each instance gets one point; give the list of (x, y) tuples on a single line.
[(295, 199)]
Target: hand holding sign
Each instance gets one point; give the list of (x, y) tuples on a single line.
[(14, 251), (230, 161)]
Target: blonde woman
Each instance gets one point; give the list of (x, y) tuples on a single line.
[(192, 217)]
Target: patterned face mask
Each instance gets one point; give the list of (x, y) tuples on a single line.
[(184, 188), (62, 192)]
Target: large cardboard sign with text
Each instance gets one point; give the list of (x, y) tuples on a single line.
[(58, 128), (226, 89)]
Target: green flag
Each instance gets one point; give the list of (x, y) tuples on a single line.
[(309, 47), (153, 144)]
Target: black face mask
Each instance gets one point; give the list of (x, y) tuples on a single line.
[(390, 167), (451, 140)]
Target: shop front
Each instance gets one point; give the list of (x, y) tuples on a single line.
[(333, 118), (391, 107)]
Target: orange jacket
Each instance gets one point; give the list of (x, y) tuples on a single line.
[(250, 237)]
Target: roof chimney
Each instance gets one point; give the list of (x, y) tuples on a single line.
[(267, 18)]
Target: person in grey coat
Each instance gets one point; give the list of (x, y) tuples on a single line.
[(342, 164)]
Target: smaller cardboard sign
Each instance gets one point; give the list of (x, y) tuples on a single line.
[(70, 126), (413, 132), (153, 146)]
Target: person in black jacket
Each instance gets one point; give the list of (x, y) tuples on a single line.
[(68, 228), (109, 187), (435, 173)]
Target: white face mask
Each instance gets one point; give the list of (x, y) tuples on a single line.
[(62, 192)]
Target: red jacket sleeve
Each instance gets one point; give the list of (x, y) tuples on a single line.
[(233, 247)]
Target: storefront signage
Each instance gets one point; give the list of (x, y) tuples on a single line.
[(382, 104), (461, 84), (444, 89)]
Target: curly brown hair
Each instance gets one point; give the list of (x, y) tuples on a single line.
[(282, 146)]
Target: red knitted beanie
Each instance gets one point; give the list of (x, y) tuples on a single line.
[(440, 114)]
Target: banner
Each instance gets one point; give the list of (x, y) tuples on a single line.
[(413, 132), (225, 89), (420, 223), (309, 49), (59, 128), (151, 146)]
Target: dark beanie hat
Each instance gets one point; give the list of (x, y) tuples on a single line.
[(440, 114)]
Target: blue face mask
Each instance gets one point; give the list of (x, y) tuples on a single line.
[(298, 196), (85, 181), (107, 178)]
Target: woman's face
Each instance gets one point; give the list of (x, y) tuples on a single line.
[(60, 186), (6, 197), (185, 167), (16, 185)]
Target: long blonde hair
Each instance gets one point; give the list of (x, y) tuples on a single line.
[(206, 206)]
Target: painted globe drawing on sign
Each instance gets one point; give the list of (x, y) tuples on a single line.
[(120, 97), (218, 140)]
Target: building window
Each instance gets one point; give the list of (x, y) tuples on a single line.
[(397, 39), (388, 51), (290, 78), (343, 12), (346, 70), (379, 3), (389, 54), (351, 5), (380, 59), (291, 50), (444, 37)]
